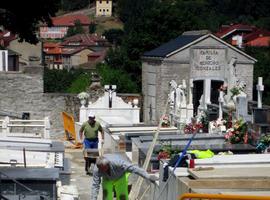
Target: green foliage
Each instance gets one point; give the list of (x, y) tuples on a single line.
[(77, 29), (80, 84), (150, 23), (69, 5), (92, 28), (235, 91), (261, 69), (114, 36), (117, 77), (62, 80)]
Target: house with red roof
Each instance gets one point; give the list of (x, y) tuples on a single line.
[(59, 57), (242, 35), (93, 41), (258, 38), (75, 51), (61, 24)]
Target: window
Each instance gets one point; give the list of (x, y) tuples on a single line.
[(107, 10), (100, 2), (99, 10), (107, 2)]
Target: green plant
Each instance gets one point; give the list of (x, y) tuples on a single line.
[(61, 80), (80, 83), (117, 77), (235, 91)]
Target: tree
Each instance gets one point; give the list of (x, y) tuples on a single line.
[(114, 36), (92, 28), (70, 5), (77, 29), (261, 69), (23, 19)]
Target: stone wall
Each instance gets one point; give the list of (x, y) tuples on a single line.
[(23, 92)]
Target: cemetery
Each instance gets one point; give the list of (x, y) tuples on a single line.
[(208, 120), (197, 128)]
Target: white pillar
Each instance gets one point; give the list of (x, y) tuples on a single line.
[(3, 60), (260, 89), (83, 114), (207, 92), (190, 108)]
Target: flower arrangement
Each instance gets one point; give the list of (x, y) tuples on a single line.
[(166, 151), (83, 95), (218, 125), (238, 132), (203, 119), (193, 127), (165, 122)]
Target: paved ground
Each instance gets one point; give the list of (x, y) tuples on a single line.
[(78, 176), (83, 181)]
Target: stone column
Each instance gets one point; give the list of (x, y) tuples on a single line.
[(83, 114), (207, 92), (260, 89), (190, 108)]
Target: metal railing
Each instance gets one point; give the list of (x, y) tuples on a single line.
[(7, 124), (15, 188)]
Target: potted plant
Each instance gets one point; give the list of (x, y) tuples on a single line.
[(83, 96)]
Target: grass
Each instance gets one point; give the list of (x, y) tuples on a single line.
[(107, 23)]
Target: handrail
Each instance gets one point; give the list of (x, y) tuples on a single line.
[(7, 124), (222, 196)]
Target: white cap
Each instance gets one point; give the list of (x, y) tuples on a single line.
[(92, 115)]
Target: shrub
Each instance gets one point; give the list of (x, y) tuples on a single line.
[(122, 79), (62, 80), (80, 84)]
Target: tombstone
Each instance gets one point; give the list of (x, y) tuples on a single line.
[(261, 119), (260, 89), (242, 107)]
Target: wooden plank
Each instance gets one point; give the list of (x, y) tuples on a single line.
[(260, 172)]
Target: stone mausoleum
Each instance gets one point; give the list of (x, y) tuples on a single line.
[(205, 61)]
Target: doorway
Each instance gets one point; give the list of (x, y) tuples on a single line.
[(197, 93), (215, 85)]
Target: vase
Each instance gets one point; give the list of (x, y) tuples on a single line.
[(83, 102)]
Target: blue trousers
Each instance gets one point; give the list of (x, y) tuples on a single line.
[(90, 144)]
